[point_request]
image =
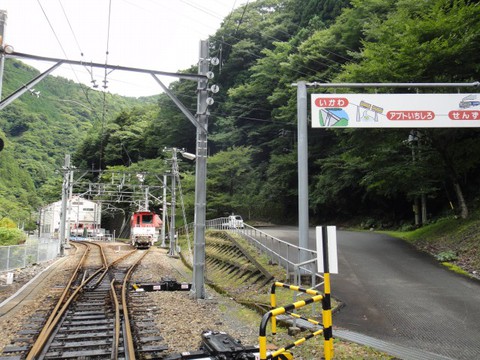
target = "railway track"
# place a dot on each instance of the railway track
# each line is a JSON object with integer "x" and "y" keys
{"x": 91, "y": 319}
{"x": 97, "y": 317}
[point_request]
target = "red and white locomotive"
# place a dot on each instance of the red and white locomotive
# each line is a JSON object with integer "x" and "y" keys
{"x": 144, "y": 228}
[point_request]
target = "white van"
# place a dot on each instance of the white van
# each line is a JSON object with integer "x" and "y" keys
{"x": 233, "y": 222}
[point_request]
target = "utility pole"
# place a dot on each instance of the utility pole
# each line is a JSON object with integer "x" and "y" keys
{"x": 173, "y": 243}
{"x": 3, "y": 24}
{"x": 164, "y": 209}
{"x": 201, "y": 175}
{"x": 63, "y": 212}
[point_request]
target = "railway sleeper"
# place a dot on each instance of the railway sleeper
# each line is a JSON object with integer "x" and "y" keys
{"x": 77, "y": 344}
{"x": 151, "y": 339}
{"x": 84, "y": 317}
{"x": 15, "y": 349}
{"x": 87, "y": 328}
{"x": 28, "y": 332}
{"x": 80, "y": 354}
{"x": 91, "y": 301}
{"x": 89, "y": 335}
{"x": 153, "y": 348}
{"x": 85, "y": 313}
{"x": 70, "y": 324}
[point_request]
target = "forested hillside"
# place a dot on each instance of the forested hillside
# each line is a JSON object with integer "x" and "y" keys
{"x": 367, "y": 175}
{"x": 361, "y": 175}
{"x": 38, "y": 131}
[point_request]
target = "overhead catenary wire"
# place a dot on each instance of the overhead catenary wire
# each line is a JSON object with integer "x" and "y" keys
{"x": 188, "y": 3}
{"x": 244, "y": 18}
{"x": 92, "y": 81}
{"x": 233, "y": 36}
{"x": 71, "y": 28}
{"x": 63, "y": 50}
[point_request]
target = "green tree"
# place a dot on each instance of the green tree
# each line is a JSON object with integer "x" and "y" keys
{"x": 229, "y": 176}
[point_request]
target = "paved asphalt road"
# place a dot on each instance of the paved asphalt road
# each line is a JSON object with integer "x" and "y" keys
{"x": 395, "y": 294}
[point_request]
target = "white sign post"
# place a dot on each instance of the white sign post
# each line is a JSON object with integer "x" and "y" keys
{"x": 396, "y": 110}
{"x": 329, "y": 248}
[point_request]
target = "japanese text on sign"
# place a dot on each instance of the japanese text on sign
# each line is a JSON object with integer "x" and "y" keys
{"x": 396, "y": 110}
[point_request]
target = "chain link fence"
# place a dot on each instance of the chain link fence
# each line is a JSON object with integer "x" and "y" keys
{"x": 33, "y": 251}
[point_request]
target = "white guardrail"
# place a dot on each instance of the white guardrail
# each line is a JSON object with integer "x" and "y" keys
{"x": 278, "y": 251}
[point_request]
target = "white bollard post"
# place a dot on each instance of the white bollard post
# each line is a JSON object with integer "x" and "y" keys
{"x": 10, "y": 278}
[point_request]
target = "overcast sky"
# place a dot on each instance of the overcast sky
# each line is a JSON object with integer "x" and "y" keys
{"x": 152, "y": 34}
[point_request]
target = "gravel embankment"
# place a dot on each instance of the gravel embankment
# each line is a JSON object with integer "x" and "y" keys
{"x": 181, "y": 318}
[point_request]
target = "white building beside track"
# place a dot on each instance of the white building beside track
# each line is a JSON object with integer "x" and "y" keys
{"x": 83, "y": 218}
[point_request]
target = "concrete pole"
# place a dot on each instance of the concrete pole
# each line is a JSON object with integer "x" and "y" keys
{"x": 302, "y": 148}
{"x": 63, "y": 212}
{"x": 173, "y": 244}
{"x": 3, "y": 24}
{"x": 147, "y": 207}
{"x": 198, "y": 288}
{"x": 164, "y": 209}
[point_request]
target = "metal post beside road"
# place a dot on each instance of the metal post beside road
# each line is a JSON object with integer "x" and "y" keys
{"x": 201, "y": 176}
{"x": 302, "y": 148}
{"x": 326, "y": 301}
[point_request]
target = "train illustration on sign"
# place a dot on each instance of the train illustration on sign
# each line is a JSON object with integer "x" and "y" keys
{"x": 469, "y": 101}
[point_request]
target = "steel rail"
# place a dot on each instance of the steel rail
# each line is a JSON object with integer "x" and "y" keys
{"x": 116, "y": 334}
{"x": 61, "y": 306}
{"x": 62, "y": 311}
{"x": 128, "y": 337}
{"x": 64, "y": 303}
{"x": 108, "y": 266}
{"x": 39, "y": 343}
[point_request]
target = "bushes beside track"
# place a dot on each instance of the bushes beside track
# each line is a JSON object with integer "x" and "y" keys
{"x": 10, "y": 236}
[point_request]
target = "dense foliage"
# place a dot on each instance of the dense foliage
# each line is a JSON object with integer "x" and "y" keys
{"x": 38, "y": 132}
{"x": 267, "y": 45}
{"x": 264, "y": 47}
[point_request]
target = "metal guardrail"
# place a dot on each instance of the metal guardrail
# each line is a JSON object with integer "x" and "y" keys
{"x": 32, "y": 252}
{"x": 278, "y": 251}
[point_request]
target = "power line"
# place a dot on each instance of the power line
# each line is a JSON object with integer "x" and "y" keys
{"x": 71, "y": 28}
{"x": 63, "y": 50}
{"x": 51, "y": 27}
{"x": 241, "y": 18}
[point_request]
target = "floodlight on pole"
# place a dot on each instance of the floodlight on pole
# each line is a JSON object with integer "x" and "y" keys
{"x": 187, "y": 155}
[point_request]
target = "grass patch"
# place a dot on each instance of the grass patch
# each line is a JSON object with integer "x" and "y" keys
{"x": 456, "y": 241}
{"x": 455, "y": 268}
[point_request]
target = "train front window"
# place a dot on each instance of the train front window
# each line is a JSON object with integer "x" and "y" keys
{"x": 147, "y": 219}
